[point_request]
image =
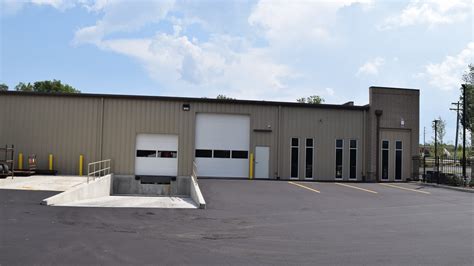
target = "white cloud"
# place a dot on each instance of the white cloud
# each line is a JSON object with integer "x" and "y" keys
{"x": 429, "y": 12}
{"x": 297, "y": 21}
{"x": 213, "y": 65}
{"x": 222, "y": 64}
{"x": 121, "y": 16}
{"x": 447, "y": 75}
{"x": 371, "y": 67}
{"x": 13, "y": 6}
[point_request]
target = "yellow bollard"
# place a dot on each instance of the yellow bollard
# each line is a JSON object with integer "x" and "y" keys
{"x": 50, "y": 162}
{"x": 20, "y": 161}
{"x": 81, "y": 164}
{"x": 251, "y": 167}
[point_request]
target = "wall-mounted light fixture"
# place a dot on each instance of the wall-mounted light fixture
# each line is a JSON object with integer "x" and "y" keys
{"x": 186, "y": 107}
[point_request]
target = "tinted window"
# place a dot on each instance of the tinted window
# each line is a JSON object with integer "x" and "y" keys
{"x": 338, "y": 163}
{"x": 203, "y": 153}
{"x": 309, "y": 163}
{"x": 385, "y": 164}
{"x": 240, "y": 154}
{"x": 385, "y": 144}
{"x": 398, "y": 165}
{"x": 398, "y": 145}
{"x": 294, "y": 162}
{"x": 309, "y": 142}
{"x": 339, "y": 143}
{"x": 146, "y": 153}
{"x": 353, "y": 144}
{"x": 294, "y": 142}
{"x": 353, "y": 164}
{"x": 167, "y": 154}
{"x": 221, "y": 154}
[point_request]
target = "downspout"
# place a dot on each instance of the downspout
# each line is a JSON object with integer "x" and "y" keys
{"x": 364, "y": 137}
{"x": 278, "y": 143}
{"x": 101, "y": 128}
{"x": 378, "y": 114}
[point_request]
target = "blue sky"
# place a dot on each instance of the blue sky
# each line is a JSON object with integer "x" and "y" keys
{"x": 270, "y": 50}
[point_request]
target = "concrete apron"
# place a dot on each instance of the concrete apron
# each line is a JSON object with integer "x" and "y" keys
{"x": 126, "y": 192}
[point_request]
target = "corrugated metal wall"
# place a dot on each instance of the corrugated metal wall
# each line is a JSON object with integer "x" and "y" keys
{"x": 68, "y": 126}
{"x": 397, "y": 105}
{"x": 65, "y": 127}
{"x": 125, "y": 118}
{"x": 325, "y": 126}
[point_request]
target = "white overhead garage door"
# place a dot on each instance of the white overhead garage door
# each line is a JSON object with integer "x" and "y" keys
{"x": 156, "y": 154}
{"x": 222, "y": 145}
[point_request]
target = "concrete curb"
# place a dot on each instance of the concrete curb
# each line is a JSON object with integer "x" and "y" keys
{"x": 468, "y": 190}
{"x": 99, "y": 187}
{"x": 196, "y": 194}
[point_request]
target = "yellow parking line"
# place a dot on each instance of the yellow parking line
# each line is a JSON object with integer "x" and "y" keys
{"x": 359, "y": 188}
{"x": 308, "y": 188}
{"x": 409, "y": 189}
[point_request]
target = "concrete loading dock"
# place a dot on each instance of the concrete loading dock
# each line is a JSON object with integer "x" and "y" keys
{"x": 270, "y": 140}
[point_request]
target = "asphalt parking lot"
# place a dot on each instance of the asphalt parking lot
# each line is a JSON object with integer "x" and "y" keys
{"x": 250, "y": 222}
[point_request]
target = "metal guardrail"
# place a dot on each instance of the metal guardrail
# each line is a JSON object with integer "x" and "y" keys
{"x": 98, "y": 169}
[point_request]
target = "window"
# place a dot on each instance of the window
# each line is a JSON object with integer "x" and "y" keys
{"x": 309, "y": 158}
{"x": 295, "y": 142}
{"x": 339, "y": 154}
{"x": 353, "y": 159}
{"x": 398, "y": 145}
{"x": 385, "y": 148}
{"x": 385, "y": 144}
{"x": 203, "y": 153}
{"x": 167, "y": 154}
{"x": 398, "y": 160}
{"x": 240, "y": 154}
{"x": 146, "y": 153}
{"x": 221, "y": 154}
{"x": 294, "y": 157}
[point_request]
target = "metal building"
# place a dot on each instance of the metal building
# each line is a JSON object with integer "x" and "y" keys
{"x": 147, "y": 135}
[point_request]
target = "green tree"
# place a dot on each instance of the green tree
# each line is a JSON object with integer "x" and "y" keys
{"x": 311, "y": 100}
{"x": 223, "y": 97}
{"x": 24, "y": 87}
{"x": 49, "y": 86}
{"x": 3, "y": 87}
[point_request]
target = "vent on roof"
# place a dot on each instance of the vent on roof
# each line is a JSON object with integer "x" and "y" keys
{"x": 351, "y": 103}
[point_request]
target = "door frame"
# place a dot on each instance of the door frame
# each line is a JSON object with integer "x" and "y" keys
{"x": 268, "y": 162}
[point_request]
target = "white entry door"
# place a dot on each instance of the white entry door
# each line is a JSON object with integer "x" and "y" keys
{"x": 156, "y": 154}
{"x": 262, "y": 157}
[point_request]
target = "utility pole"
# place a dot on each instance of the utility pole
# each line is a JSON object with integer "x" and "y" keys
{"x": 436, "y": 150}
{"x": 424, "y": 154}
{"x": 457, "y": 109}
{"x": 464, "y": 114}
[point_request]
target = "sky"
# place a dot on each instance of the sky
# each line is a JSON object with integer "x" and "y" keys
{"x": 263, "y": 50}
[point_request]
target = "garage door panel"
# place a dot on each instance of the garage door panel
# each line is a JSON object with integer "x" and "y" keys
{"x": 156, "y": 166}
{"x": 156, "y": 141}
{"x": 156, "y": 154}
{"x": 222, "y": 134}
{"x": 217, "y": 167}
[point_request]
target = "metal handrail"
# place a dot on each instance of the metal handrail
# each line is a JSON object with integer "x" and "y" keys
{"x": 99, "y": 168}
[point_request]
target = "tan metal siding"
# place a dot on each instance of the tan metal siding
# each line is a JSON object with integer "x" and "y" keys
{"x": 325, "y": 126}
{"x": 64, "y": 127}
{"x": 396, "y": 104}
